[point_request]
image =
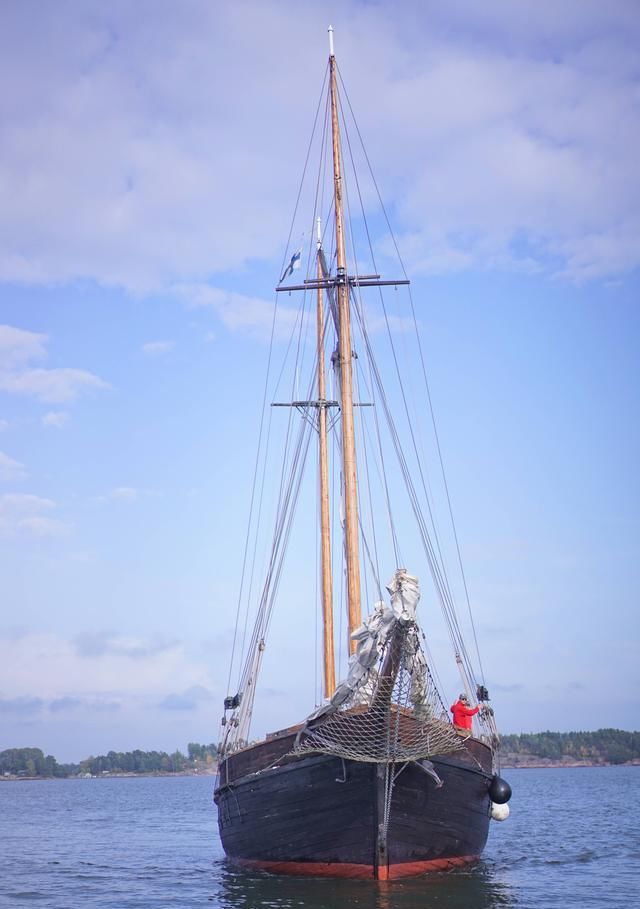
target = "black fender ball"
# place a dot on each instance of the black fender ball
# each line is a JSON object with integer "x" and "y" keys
{"x": 499, "y": 790}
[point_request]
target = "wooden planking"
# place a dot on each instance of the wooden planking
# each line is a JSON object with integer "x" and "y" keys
{"x": 257, "y": 757}
{"x": 298, "y": 813}
{"x": 429, "y": 823}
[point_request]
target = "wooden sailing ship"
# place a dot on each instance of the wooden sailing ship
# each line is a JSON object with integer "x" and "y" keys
{"x": 376, "y": 782}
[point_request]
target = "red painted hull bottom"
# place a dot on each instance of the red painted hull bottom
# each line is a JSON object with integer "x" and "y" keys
{"x": 363, "y": 872}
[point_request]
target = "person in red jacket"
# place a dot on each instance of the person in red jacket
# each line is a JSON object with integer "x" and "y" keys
{"x": 462, "y": 714}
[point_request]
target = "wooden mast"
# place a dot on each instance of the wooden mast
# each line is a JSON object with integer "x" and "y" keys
{"x": 327, "y": 583}
{"x": 346, "y": 383}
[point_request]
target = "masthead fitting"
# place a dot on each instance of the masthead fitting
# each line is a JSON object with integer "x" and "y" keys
{"x": 319, "y": 232}
{"x": 330, "y": 30}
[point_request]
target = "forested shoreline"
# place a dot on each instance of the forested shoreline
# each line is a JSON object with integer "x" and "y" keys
{"x": 605, "y": 746}
{"x": 32, "y": 763}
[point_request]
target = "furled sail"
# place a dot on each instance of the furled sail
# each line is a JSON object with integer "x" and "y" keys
{"x": 388, "y": 707}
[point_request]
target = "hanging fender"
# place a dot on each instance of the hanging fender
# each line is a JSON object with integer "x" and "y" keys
{"x": 499, "y": 812}
{"x": 499, "y": 790}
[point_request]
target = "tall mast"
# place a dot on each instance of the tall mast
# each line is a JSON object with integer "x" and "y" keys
{"x": 346, "y": 382}
{"x": 327, "y": 583}
{"x": 341, "y": 284}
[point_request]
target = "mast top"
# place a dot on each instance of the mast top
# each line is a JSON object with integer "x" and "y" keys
{"x": 330, "y": 30}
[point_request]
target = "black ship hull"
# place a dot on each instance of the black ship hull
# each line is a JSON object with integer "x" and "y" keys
{"x": 321, "y": 815}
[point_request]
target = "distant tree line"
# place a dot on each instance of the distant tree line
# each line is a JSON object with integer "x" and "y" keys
{"x": 606, "y": 746}
{"x": 31, "y": 762}
{"x": 134, "y": 762}
{"x": 206, "y": 753}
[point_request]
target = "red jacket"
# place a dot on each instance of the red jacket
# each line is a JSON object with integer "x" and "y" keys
{"x": 462, "y": 714}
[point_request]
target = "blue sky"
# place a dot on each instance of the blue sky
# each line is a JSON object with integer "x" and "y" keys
{"x": 149, "y": 163}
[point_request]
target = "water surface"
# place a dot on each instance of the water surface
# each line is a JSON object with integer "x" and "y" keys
{"x": 148, "y": 843}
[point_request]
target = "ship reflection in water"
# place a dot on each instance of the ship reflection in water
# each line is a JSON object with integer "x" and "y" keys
{"x": 476, "y": 887}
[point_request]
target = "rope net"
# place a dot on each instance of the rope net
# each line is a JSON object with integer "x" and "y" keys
{"x": 388, "y": 709}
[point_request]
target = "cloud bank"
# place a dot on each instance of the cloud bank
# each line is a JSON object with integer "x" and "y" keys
{"x": 510, "y": 137}
{"x": 97, "y": 667}
{"x": 24, "y": 514}
{"x": 18, "y": 375}
{"x": 10, "y": 469}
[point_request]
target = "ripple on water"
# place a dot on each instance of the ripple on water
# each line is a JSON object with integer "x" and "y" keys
{"x": 587, "y": 855}
{"x": 27, "y": 895}
{"x": 153, "y": 844}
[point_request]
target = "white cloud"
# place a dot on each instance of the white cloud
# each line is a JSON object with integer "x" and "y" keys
{"x": 124, "y": 494}
{"x": 27, "y": 501}
{"x": 43, "y": 526}
{"x": 55, "y": 418}
{"x": 251, "y": 315}
{"x": 11, "y": 469}
{"x": 98, "y": 644}
{"x": 54, "y": 386}
{"x": 119, "y": 692}
{"x": 18, "y": 348}
{"x": 48, "y": 666}
{"x": 505, "y": 126}
{"x": 513, "y": 156}
{"x": 157, "y": 347}
{"x": 4, "y": 424}
{"x": 29, "y": 515}
{"x": 187, "y": 700}
{"x": 255, "y": 316}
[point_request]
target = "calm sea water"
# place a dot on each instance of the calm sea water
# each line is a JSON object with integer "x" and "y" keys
{"x": 572, "y": 840}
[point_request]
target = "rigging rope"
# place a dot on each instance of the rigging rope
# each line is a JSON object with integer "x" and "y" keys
{"x": 297, "y": 445}
{"x": 261, "y": 427}
{"x": 426, "y": 382}
{"x": 437, "y": 563}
